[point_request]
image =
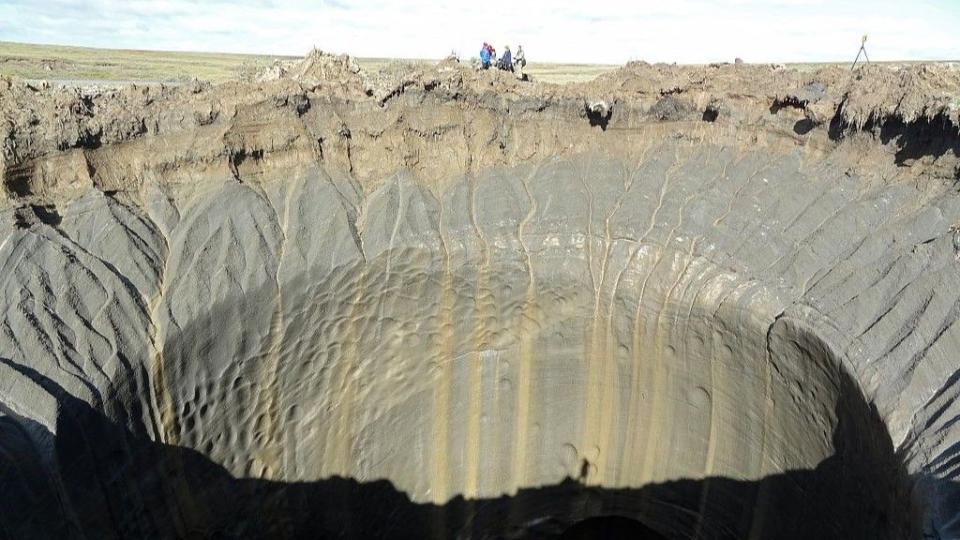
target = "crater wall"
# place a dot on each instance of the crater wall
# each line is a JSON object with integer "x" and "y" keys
{"x": 507, "y": 321}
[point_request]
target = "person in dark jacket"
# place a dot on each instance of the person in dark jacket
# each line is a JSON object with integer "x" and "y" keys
{"x": 506, "y": 61}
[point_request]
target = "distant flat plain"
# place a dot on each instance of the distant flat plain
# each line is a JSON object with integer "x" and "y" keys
{"x": 59, "y": 63}
{"x": 66, "y": 63}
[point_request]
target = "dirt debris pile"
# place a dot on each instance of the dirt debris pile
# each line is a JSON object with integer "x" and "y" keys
{"x": 41, "y": 121}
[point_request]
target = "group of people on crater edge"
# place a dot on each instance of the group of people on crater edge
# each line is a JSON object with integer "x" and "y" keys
{"x": 508, "y": 62}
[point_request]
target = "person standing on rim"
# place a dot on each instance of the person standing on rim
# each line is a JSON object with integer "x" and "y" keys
{"x": 506, "y": 61}
{"x": 519, "y": 62}
{"x": 485, "y": 56}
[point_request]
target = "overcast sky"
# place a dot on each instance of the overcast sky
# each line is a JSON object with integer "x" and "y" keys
{"x": 590, "y": 31}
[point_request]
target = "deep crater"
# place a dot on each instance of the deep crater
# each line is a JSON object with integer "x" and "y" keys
{"x": 523, "y": 354}
{"x": 494, "y": 407}
{"x": 450, "y": 314}
{"x": 474, "y": 404}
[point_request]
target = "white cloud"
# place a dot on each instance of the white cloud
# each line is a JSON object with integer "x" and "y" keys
{"x": 552, "y": 30}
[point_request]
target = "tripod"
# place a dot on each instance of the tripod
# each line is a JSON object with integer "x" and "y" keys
{"x": 863, "y": 51}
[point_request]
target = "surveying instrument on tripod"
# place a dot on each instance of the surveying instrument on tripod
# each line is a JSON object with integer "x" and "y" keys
{"x": 863, "y": 51}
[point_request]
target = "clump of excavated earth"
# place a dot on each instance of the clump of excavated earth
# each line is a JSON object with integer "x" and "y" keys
{"x": 680, "y": 302}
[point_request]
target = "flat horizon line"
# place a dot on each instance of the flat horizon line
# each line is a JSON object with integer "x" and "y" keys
{"x": 437, "y": 59}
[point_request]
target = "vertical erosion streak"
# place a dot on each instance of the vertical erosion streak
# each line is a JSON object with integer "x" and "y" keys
{"x": 710, "y": 459}
{"x": 337, "y": 453}
{"x": 595, "y": 356}
{"x": 527, "y": 328}
{"x": 633, "y": 430}
{"x": 681, "y": 325}
{"x": 600, "y": 356}
{"x": 337, "y": 458}
{"x": 613, "y": 438}
{"x": 761, "y": 504}
{"x": 160, "y": 401}
{"x": 633, "y": 390}
{"x": 183, "y": 510}
{"x": 440, "y": 466}
{"x": 634, "y": 417}
{"x": 481, "y": 309}
{"x": 270, "y": 451}
{"x": 610, "y": 438}
{"x": 666, "y": 355}
{"x": 663, "y": 355}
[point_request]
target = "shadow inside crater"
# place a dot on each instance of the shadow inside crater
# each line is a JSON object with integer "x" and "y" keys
{"x": 97, "y": 479}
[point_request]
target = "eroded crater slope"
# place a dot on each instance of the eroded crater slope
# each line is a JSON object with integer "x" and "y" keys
{"x": 454, "y": 305}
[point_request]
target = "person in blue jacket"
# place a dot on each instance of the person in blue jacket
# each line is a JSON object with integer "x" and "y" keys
{"x": 485, "y": 57}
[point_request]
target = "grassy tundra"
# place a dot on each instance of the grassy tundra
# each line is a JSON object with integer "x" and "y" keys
{"x": 55, "y": 62}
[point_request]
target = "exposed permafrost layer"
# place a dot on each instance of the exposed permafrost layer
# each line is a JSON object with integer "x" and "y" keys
{"x": 517, "y": 316}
